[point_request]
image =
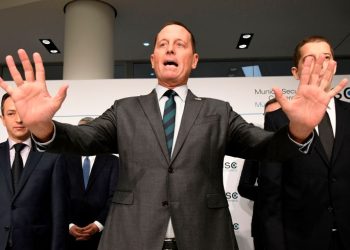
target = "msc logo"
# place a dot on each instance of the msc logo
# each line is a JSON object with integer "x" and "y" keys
{"x": 235, "y": 226}
{"x": 230, "y": 165}
{"x": 231, "y": 196}
{"x": 345, "y": 94}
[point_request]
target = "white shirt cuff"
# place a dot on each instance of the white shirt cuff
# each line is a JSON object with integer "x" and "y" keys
{"x": 305, "y": 147}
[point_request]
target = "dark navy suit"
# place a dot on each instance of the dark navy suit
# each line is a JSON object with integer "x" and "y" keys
{"x": 90, "y": 204}
{"x": 34, "y": 217}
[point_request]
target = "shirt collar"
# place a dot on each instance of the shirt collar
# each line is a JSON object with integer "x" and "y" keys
{"x": 181, "y": 91}
{"x": 331, "y": 106}
{"x": 27, "y": 142}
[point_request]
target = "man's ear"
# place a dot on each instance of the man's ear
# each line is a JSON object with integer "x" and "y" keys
{"x": 195, "y": 60}
{"x": 335, "y": 69}
{"x": 294, "y": 71}
{"x": 152, "y": 60}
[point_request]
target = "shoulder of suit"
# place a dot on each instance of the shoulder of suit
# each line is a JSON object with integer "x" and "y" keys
{"x": 342, "y": 103}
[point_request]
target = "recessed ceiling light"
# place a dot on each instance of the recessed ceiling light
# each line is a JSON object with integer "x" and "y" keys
{"x": 244, "y": 40}
{"x": 50, "y": 46}
{"x": 45, "y": 41}
{"x": 146, "y": 44}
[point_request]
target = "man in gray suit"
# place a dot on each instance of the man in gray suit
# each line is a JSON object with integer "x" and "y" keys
{"x": 170, "y": 193}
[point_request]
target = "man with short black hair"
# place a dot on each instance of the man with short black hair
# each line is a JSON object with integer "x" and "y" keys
{"x": 33, "y": 201}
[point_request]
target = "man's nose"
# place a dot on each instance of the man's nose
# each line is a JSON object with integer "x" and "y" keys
{"x": 170, "y": 49}
{"x": 18, "y": 119}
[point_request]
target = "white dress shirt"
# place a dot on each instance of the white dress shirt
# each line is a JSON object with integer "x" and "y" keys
{"x": 24, "y": 152}
{"x": 180, "y": 99}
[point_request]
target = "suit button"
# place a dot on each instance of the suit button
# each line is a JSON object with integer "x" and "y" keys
{"x": 13, "y": 207}
{"x": 170, "y": 170}
{"x": 7, "y": 228}
{"x": 165, "y": 203}
{"x": 334, "y": 179}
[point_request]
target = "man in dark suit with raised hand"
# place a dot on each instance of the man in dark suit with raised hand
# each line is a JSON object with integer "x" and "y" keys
{"x": 90, "y": 195}
{"x": 171, "y": 144}
{"x": 307, "y": 198}
{"x": 33, "y": 204}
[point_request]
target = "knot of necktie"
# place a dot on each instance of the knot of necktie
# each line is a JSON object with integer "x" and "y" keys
{"x": 170, "y": 93}
{"x": 18, "y": 147}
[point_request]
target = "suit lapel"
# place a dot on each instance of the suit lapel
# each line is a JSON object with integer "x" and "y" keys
{"x": 32, "y": 162}
{"x": 150, "y": 106}
{"x": 5, "y": 164}
{"x": 99, "y": 162}
{"x": 192, "y": 107}
{"x": 75, "y": 169}
{"x": 342, "y": 118}
{"x": 320, "y": 150}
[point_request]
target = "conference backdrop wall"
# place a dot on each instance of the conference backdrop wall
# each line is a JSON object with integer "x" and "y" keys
{"x": 247, "y": 96}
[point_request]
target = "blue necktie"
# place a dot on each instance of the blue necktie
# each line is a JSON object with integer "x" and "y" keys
{"x": 169, "y": 118}
{"x": 86, "y": 171}
{"x": 17, "y": 165}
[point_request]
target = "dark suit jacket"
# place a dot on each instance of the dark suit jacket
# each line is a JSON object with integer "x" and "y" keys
{"x": 248, "y": 189}
{"x": 92, "y": 203}
{"x": 34, "y": 218}
{"x": 188, "y": 187}
{"x": 307, "y": 195}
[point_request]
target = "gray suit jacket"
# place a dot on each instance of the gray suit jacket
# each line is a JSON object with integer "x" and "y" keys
{"x": 189, "y": 187}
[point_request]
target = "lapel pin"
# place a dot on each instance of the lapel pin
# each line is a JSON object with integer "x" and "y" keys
{"x": 198, "y": 98}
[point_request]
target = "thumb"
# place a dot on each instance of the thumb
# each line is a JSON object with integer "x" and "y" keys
{"x": 61, "y": 95}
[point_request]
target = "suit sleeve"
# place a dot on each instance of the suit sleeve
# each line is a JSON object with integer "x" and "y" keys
{"x": 271, "y": 192}
{"x": 249, "y": 176}
{"x": 244, "y": 140}
{"x": 59, "y": 206}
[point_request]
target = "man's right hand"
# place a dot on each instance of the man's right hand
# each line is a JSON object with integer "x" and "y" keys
{"x": 35, "y": 105}
{"x": 78, "y": 233}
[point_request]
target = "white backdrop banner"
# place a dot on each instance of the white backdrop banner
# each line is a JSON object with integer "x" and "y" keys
{"x": 246, "y": 95}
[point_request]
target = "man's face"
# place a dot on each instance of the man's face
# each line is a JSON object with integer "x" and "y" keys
{"x": 173, "y": 57}
{"x": 15, "y": 129}
{"x": 314, "y": 50}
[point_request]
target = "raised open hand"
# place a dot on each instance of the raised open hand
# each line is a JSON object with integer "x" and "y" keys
{"x": 34, "y": 104}
{"x": 308, "y": 106}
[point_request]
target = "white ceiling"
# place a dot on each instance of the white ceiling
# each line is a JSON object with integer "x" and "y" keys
{"x": 277, "y": 26}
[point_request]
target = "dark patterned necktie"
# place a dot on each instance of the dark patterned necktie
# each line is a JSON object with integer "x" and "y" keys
{"x": 86, "y": 170}
{"x": 169, "y": 118}
{"x": 326, "y": 135}
{"x": 17, "y": 165}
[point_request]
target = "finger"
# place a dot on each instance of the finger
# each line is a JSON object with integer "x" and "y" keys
{"x": 338, "y": 88}
{"x": 39, "y": 67}
{"x": 5, "y": 86}
{"x": 16, "y": 76}
{"x": 316, "y": 71}
{"x": 328, "y": 75}
{"x": 281, "y": 99}
{"x": 27, "y": 65}
{"x": 306, "y": 71}
{"x": 61, "y": 95}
